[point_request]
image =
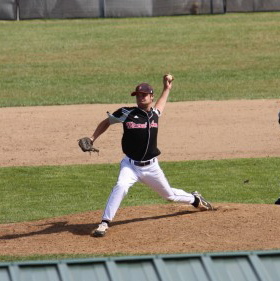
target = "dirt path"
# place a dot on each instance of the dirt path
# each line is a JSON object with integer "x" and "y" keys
{"x": 188, "y": 131}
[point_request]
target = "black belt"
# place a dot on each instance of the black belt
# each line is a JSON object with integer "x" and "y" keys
{"x": 142, "y": 163}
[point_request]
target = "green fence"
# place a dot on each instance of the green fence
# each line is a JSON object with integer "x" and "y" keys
{"x": 243, "y": 266}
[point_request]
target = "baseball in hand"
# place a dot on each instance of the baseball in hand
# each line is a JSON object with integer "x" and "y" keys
{"x": 169, "y": 77}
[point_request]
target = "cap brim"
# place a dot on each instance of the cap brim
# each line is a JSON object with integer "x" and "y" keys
{"x": 135, "y": 93}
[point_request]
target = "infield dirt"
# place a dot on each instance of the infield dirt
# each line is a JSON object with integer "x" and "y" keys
{"x": 188, "y": 131}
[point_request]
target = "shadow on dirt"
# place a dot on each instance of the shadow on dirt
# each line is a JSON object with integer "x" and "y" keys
{"x": 83, "y": 229}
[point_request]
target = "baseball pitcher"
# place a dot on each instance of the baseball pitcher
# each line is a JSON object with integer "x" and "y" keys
{"x": 139, "y": 144}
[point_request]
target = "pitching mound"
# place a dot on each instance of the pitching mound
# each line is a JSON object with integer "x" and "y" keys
{"x": 152, "y": 229}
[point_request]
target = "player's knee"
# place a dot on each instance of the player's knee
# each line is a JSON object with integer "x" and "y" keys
{"x": 121, "y": 187}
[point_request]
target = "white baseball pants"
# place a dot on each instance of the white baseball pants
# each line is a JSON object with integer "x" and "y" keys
{"x": 151, "y": 175}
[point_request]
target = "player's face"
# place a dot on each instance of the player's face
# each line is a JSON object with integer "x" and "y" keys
{"x": 144, "y": 100}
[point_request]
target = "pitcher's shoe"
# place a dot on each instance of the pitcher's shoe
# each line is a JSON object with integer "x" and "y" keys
{"x": 201, "y": 203}
{"x": 101, "y": 230}
{"x": 277, "y": 202}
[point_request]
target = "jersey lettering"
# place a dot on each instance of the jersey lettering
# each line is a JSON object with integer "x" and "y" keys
{"x": 153, "y": 124}
{"x": 132, "y": 125}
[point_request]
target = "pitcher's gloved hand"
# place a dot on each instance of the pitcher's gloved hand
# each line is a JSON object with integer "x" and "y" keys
{"x": 86, "y": 145}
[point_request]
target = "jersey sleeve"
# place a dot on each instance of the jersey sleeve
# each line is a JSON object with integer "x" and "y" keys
{"x": 114, "y": 117}
{"x": 157, "y": 112}
{"x": 119, "y": 116}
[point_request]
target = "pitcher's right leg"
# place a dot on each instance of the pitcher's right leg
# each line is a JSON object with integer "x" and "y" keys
{"x": 127, "y": 177}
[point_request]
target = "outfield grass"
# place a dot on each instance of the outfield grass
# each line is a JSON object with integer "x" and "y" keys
{"x": 231, "y": 56}
{"x": 31, "y": 193}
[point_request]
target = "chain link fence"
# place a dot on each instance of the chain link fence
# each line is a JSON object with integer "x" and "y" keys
{"x": 61, "y": 9}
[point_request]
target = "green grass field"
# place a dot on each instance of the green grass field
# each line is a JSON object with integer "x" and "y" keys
{"x": 30, "y": 193}
{"x": 232, "y": 56}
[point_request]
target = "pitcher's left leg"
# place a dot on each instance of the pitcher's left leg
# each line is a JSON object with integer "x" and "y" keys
{"x": 154, "y": 177}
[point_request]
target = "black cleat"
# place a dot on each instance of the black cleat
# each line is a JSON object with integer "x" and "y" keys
{"x": 203, "y": 205}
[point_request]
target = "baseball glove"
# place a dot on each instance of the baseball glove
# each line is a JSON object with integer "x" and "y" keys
{"x": 86, "y": 145}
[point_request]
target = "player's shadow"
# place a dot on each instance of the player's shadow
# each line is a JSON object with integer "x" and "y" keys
{"x": 83, "y": 229}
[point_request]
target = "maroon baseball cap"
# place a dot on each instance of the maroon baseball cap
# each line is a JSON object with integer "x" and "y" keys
{"x": 144, "y": 88}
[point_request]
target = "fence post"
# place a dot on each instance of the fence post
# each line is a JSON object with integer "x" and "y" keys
{"x": 211, "y": 7}
{"x": 17, "y": 9}
{"x": 102, "y": 8}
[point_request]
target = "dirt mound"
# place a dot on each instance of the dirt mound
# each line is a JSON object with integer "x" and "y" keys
{"x": 151, "y": 229}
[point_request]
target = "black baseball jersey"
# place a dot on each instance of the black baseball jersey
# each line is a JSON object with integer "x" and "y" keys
{"x": 140, "y": 130}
